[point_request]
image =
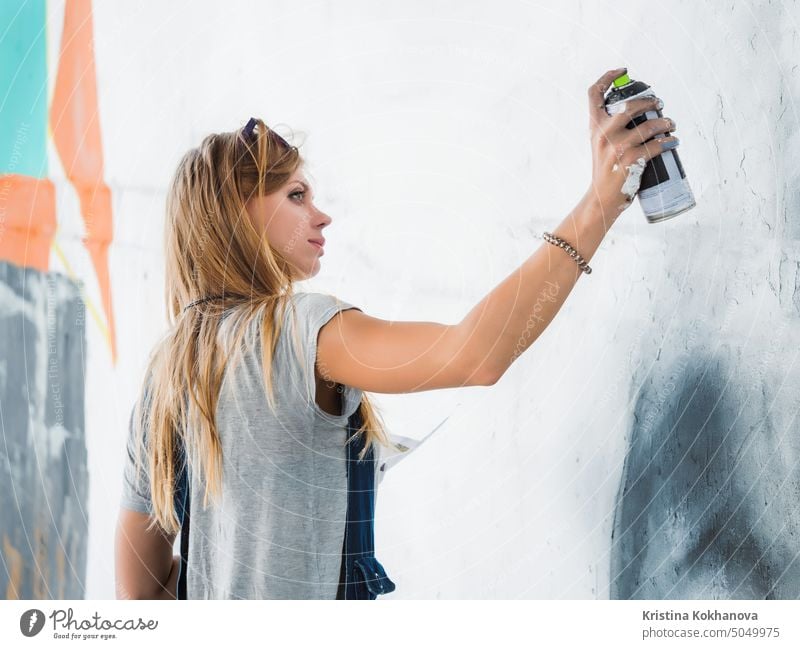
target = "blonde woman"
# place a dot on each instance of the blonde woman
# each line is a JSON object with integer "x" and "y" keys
{"x": 259, "y": 385}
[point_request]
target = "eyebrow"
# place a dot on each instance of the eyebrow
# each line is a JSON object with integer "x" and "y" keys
{"x": 305, "y": 185}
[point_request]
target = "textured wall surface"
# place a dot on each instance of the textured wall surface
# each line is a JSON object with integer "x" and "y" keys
{"x": 44, "y": 482}
{"x": 646, "y": 445}
{"x": 709, "y": 500}
{"x": 708, "y": 507}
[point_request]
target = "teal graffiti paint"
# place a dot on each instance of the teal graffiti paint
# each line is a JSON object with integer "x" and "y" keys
{"x": 23, "y": 87}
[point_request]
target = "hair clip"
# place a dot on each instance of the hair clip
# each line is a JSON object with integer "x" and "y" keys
{"x": 280, "y": 139}
{"x": 248, "y": 130}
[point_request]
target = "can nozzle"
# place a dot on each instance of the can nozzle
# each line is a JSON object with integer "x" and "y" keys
{"x": 621, "y": 81}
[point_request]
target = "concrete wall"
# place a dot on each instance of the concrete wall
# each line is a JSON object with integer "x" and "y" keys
{"x": 44, "y": 480}
{"x": 646, "y": 446}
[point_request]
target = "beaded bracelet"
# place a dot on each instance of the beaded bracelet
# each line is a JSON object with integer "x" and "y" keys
{"x": 558, "y": 241}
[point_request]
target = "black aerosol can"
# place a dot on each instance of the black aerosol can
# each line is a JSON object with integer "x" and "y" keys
{"x": 664, "y": 191}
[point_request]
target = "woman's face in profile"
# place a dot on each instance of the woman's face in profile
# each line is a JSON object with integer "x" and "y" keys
{"x": 292, "y": 223}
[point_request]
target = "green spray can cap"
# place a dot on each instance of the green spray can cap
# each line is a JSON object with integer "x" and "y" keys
{"x": 621, "y": 81}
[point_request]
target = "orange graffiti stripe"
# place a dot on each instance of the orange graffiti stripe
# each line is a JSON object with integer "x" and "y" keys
{"x": 75, "y": 127}
{"x": 27, "y": 220}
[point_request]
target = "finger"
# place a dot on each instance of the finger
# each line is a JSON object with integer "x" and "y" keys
{"x": 653, "y": 148}
{"x": 641, "y": 131}
{"x": 629, "y": 110}
{"x": 597, "y": 109}
{"x": 644, "y": 131}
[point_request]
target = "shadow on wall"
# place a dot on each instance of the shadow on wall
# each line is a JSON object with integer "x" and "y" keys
{"x": 708, "y": 503}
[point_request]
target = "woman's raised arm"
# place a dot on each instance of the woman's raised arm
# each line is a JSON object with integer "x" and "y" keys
{"x": 385, "y": 356}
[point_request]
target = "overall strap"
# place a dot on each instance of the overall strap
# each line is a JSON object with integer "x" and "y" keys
{"x": 363, "y": 576}
{"x": 182, "y": 509}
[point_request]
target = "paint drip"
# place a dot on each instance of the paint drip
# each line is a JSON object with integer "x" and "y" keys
{"x": 661, "y": 182}
{"x": 634, "y": 179}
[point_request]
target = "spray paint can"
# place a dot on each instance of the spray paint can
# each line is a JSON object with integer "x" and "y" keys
{"x": 664, "y": 191}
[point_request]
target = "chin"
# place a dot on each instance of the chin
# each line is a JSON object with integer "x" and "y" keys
{"x": 308, "y": 274}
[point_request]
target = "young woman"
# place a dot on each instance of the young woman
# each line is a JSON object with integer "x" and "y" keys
{"x": 258, "y": 383}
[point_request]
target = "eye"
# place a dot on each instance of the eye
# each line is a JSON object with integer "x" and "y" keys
{"x": 300, "y": 193}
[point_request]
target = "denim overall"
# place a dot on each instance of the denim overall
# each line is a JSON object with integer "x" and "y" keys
{"x": 362, "y": 576}
{"x": 182, "y": 502}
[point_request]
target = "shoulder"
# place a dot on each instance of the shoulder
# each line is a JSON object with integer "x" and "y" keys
{"x": 316, "y": 308}
{"x": 317, "y": 299}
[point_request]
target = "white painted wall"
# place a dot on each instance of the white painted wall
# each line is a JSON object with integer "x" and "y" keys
{"x": 447, "y": 134}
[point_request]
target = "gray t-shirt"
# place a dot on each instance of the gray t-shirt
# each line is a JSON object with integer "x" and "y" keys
{"x": 279, "y": 529}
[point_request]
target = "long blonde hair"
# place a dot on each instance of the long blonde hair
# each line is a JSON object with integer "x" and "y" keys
{"x": 213, "y": 249}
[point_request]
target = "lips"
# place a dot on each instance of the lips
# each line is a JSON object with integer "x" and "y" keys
{"x": 319, "y": 243}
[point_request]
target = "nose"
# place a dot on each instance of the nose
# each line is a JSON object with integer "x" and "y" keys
{"x": 323, "y": 219}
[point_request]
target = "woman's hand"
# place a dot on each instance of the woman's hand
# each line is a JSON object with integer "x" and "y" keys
{"x": 618, "y": 153}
